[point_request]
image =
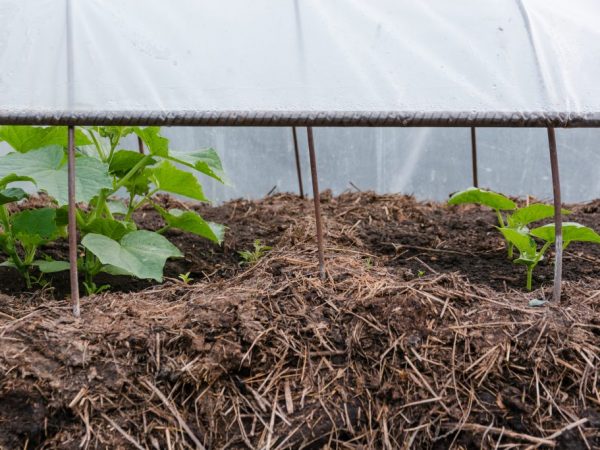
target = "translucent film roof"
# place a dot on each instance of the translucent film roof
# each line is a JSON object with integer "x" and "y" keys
{"x": 285, "y": 62}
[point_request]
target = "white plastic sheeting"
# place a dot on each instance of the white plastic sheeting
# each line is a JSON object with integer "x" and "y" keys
{"x": 428, "y": 162}
{"x": 525, "y": 62}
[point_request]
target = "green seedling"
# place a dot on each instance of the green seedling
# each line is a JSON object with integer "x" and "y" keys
{"x": 252, "y": 257}
{"x": 529, "y": 256}
{"x": 25, "y": 231}
{"x": 92, "y": 288}
{"x": 185, "y": 277}
{"x": 111, "y": 241}
{"x": 502, "y": 205}
{"x": 514, "y": 227}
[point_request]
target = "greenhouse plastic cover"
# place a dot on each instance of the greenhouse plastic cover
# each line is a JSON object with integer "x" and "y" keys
{"x": 299, "y": 62}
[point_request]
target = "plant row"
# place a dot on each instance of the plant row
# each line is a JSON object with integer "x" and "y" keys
{"x": 110, "y": 239}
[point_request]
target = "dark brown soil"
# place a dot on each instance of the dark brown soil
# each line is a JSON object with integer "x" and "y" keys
{"x": 423, "y": 238}
{"x": 419, "y": 337}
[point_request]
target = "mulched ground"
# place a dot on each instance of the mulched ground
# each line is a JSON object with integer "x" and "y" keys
{"x": 419, "y": 337}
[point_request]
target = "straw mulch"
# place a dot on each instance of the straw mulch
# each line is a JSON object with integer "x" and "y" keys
{"x": 370, "y": 357}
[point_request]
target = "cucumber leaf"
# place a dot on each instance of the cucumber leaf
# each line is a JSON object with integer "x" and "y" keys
{"x": 571, "y": 231}
{"x": 532, "y": 213}
{"x": 10, "y": 195}
{"x": 193, "y": 223}
{"x": 114, "y": 229}
{"x": 26, "y": 138}
{"x": 139, "y": 253}
{"x": 482, "y": 197}
{"x": 157, "y": 145}
{"x": 522, "y": 241}
{"x": 169, "y": 178}
{"x": 11, "y": 178}
{"x": 206, "y": 161}
{"x": 51, "y": 266}
{"x": 124, "y": 160}
{"x": 117, "y": 207}
{"x": 34, "y": 226}
{"x": 48, "y": 167}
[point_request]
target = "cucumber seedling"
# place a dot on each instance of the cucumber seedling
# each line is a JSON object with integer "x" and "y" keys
{"x": 514, "y": 226}
{"x": 508, "y": 214}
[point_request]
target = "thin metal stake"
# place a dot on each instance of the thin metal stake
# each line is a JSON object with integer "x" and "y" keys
{"x": 558, "y": 243}
{"x": 140, "y": 145}
{"x": 315, "y": 186}
{"x": 72, "y": 227}
{"x": 474, "y": 156}
{"x": 298, "y": 168}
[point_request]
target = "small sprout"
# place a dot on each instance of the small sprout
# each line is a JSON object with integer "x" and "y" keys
{"x": 252, "y": 257}
{"x": 420, "y": 273}
{"x": 92, "y": 288}
{"x": 185, "y": 277}
{"x": 368, "y": 263}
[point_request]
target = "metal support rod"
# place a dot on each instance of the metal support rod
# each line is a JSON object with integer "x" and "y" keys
{"x": 298, "y": 168}
{"x": 315, "y": 186}
{"x": 140, "y": 145}
{"x": 558, "y": 243}
{"x": 474, "y": 156}
{"x": 72, "y": 227}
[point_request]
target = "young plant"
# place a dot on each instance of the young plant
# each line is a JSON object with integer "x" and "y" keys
{"x": 252, "y": 257}
{"x": 515, "y": 228}
{"x": 529, "y": 256}
{"x": 23, "y": 232}
{"x": 518, "y": 220}
{"x": 185, "y": 278}
{"x": 110, "y": 239}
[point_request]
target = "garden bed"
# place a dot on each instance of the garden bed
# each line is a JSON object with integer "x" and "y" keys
{"x": 420, "y": 335}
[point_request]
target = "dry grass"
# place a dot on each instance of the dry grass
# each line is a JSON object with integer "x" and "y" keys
{"x": 277, "y": 358}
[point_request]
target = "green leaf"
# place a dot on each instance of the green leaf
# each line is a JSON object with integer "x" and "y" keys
{"x": 532, "y": 213}
{"x": 34, "y": 226}
{"x": 191, "y": 222}
{"x": 571, "y": 231}
{"x": 11, "y": 178}
{"x": 111, "y": 228}
{"x": 124, "y": 160}
{"x": 117, "y": 207}
{"x": 169, "y": 178}
{"x": 206, "y": 161}
{"x": 482, "y": 197}
{"x": 4, "y": 242}
{"x": 48, "y": 167}
{"x": 26, "y": 138}
{"x": 520, "y": 239}
{"x": 157, "y": 145}
{"x": 140, "y": 253}
{"x": 10, "y": 195}
{"x": 9, "y": 263}
{"x": 51, "y": 266}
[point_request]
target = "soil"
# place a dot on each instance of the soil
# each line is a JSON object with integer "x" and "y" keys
{"x": 420, "y": 336}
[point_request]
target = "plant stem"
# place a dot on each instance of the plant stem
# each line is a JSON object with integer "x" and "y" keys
{"x": 146, "y": 198}
{"x": 163, "y": 229}
{"x": 529, "y": 277}
{"x": 500, "y": 219}
{"x": 10, "y": 246}
{"x": 97, "y": 145}
{"x": 510, "y": 250}
{"x": 141, "y": 163}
